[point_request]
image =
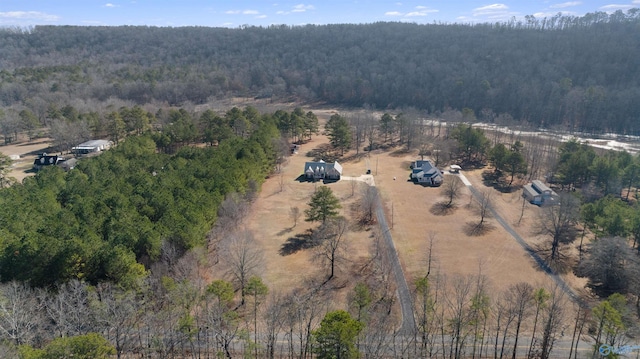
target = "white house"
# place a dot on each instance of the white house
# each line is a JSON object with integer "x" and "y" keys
{"x": 423, "y": 171}
{"x": 322, "y": 170}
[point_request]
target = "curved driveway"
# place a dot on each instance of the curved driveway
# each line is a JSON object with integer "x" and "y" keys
{"x": 539, "y": 261}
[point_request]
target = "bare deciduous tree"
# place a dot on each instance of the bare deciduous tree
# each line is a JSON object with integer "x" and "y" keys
{"x": 457, "y": 299}
{"x": 68, "y": 309}
{"x": 274, "y": 319}
{"x": 553, "y": 316}
{"x": 303, "y": 312}
{"x": 452, "y": 189}
{"x": 521, "y": 294}
{"x": 368, "y": 204}
{"x": 332, "y": 245}
{"x": 19, "y": 313}
{"x": 611, "y": 266}
{"x": 243, "y": 258}
{"x": 484, "y": 207}
{"x": 231, "y": 214}
{"x": 294, "y": 214}
{"x": 558, "y": 224}
{"x": 116, "y": 313}
{"x": 281, "y": 182}
{"x": 504, "y": 314}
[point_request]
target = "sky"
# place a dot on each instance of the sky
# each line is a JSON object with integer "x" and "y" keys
{"x": 236, "y": 13}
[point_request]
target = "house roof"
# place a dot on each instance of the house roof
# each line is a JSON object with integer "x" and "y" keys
{"x": 530, "y": 191}
{"x": 321, "y": 166}
{"x": 425, "y": 165}
{"x": 46, "y": 160}
{"x": 92, "y": 144}
{"x": 337, "y": 167}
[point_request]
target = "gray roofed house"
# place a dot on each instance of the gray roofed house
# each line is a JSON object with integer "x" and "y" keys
{"x": 423, "y": 171}
{"x": 46, "y": 160}
{"x": 322, "y": 170}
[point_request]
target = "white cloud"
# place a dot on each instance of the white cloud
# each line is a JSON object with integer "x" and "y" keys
{"x": 297, "y": 8}
{"x": 615, "y": 7}
{"x": 110, "y": 5}
{"x": 542, "y": 15}
{"x": 243, "y": 12}
{"x": 565, "y": 4}
{"x": 492, "y": 7}
{"x": 494, "y": 12}
{"x": 302, "y": 8}
{"x": 261, "y": 17}
{"x": 636, "y": 2}
{"x": 419, "y": 11}
{"x": 28, "y": 15}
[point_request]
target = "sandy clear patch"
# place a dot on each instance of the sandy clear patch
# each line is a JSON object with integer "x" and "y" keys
{"x": 28, "y": 152}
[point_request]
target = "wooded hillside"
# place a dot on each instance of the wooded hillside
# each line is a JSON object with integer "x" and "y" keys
{"x": 570, "y": 72}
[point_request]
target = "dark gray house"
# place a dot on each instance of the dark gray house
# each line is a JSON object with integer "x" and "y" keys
{"x": 322, "y": 170}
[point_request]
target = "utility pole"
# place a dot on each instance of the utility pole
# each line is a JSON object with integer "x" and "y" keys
{"x": 392, "y": 215}
{"x": 376, "y": 165}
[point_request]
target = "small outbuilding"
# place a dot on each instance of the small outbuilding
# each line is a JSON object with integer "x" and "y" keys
{"x": 539, "y": 193}
{"x": 93, "y": 146}
{"x": 322, "y": 170}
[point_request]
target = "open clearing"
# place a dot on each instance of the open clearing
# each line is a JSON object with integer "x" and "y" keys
{"x": 28, "y": 152}
{"x": 407, "y": 205}
{"x": 408, "y": 208}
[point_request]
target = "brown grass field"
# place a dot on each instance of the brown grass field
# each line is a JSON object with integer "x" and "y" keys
{"x": 408, "y": 206}
{"x": 495, "y": 254}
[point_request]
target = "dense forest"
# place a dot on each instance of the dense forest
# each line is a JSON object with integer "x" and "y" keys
{"x": 565, "y": 72}
{"x": 110, "y": 217}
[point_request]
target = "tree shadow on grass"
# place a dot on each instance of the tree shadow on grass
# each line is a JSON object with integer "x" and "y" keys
{"x": 497, "y": 181}
{"x": 296, "y": 243}
{"x": 473, "y": 229}
{"x": 399, "y": 152}
{"x": 285, "y": 231}
{"x": 442, "y": 209}
{"x": 561, "y": 264}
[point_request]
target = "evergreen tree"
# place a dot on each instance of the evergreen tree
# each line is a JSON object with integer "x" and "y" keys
{"x": 339, "y": 132}
{"x": 335, "y": 339}
{"x": 323, "y": 205}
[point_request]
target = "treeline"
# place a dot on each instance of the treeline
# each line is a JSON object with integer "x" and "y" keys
{"x": 171, "y": 316}
{"x": 564, "y": 71}
{"x": 109, "y": 217}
